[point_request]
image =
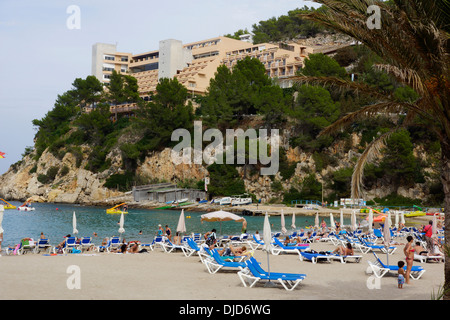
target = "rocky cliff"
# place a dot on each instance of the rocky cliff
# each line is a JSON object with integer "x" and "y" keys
{"x": 72, "y": 183}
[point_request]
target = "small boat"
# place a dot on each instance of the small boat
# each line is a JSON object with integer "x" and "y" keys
{"x": 117, "y": 209}
{"x": 26, "y": 207}
{"x": 203, "y": 201}
{"x": 181, "y": 201}
{"x": 225, "y": 201}
{"x": 6, "y": 204}
{"x": 415, "y": 214}
{"x": 241, "y": 201}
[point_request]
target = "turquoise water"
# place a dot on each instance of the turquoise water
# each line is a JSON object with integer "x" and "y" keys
{"x": 55, "y": 221}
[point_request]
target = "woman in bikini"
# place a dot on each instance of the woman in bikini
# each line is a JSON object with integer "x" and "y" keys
{"x": 408, "y": 250}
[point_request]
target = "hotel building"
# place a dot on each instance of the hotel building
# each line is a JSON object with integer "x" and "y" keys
{"x": 194, "y": 64}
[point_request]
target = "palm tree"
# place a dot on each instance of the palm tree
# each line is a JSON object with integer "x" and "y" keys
{"x": 413, "y": 42}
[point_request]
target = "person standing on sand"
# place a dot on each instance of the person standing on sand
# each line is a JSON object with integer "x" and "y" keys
{"x": 401, "y": 274}
{"x": 408, "y": 250}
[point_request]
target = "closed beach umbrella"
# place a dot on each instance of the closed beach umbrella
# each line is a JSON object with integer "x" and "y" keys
{"x": 74, "y": 223}
{"x": 283, "y": 226}
{"x": 353, "y": 224}
{"x": 181, "y": 227}
{"x": 293, "y": 221}
{"x": 316, "y": 221}
{"x": 389, "y": 218}
{"x": 370, "y": 220}
{"x": 121, "y": 221}
{"x": 402, "y": 218}
{"x": 267, "y": 237}
{"x": 2, "y": 208}
{"x": 332, "y": 224}
{"x": 396, "y": 218}
{"x": 342, "y": 219}
{"x": 387, "y": 237}
{"x": 267, "y": 234}
{"x": 434, "y": 229}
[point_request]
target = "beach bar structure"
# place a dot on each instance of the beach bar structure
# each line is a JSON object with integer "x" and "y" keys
{"x": 165, "y": 192}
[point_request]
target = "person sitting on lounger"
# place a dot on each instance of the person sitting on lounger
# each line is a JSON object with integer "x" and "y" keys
{"x": 345, "y": 251}
{"x": 234, "y": 251}
{"x": 133, "y": 247}
{"x": 420, "y": 250}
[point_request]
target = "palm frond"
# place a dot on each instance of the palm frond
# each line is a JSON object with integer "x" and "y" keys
{"x": 405, "y": 76}
{"x": 340, "y": 84}
{"x": 372, "y": 151}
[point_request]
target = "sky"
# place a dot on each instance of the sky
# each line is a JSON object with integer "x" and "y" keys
{"x": 43, "y": 49}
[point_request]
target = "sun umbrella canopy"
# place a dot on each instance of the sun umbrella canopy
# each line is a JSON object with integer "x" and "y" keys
{"x": 293, "y": 221}
{"x": 283, "y": 227}
{"x": 316, "y": 221}
{"x": 74, "y": 223}
{"x": 121, "y": 222}
{"x": 267, "y": 234}
{"x": 353, "y": 224}
{"x": 221, "y": 216}
{"x": 181, "y": 227}
{"x": 332, "y": 224}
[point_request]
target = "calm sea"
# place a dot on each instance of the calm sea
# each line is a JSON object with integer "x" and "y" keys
{"x": 55, "y": 221}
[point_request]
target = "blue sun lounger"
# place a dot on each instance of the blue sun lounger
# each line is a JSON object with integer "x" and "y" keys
{"x": 253, "y": 273}
{"x": 314, "y": 257}
{"x": 280, "y": 247}
{"x": 379, "y": 269}
{"x": 216, "y": 263}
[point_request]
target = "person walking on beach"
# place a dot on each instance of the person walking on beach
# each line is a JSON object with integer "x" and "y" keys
{"x": 408, "y": 250}
{"x": 428, "y": 230}
{"x": 168, "y": 233}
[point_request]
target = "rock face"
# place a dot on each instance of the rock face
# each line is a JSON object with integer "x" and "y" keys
{"x": 74, "y": 184}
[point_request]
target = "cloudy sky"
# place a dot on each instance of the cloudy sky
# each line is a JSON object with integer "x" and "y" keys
{"x": 40, "y": 56}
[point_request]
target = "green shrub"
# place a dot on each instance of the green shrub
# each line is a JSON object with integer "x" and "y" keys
{"x": 122, "y": 182}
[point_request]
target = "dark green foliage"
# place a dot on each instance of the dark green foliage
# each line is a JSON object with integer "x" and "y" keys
{"x": 320, "y": 65}
{"x": 168, "y": 111}
{"x": 315, "y": 110}
{"x": 121, "y": 182}
{"x": 285, "y": 27}
{"x": 224, "y": 180}
{"x": 246, "y": 90}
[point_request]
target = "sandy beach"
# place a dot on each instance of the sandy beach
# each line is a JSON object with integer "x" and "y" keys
{"x": 160, "y": 276}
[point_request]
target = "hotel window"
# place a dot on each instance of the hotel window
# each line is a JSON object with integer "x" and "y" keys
{"x": 124, "y": 59}
{"x": 106, "y": 57}
{"x": 106, "y": 76}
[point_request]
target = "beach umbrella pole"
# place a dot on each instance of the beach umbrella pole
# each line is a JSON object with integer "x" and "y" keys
{"x": 269, "y": 284}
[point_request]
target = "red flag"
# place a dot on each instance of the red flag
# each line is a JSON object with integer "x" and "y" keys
{"x": 2, "y": 155}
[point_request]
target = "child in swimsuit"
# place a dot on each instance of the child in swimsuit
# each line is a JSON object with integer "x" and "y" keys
{"x": 401, "y": 274}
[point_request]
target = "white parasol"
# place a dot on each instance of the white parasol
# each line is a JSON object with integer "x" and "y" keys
{"x": 353, "y": 225}
{"x": 342, "y": 219}
{"x": 121, "y": 221}
{"x": 283, "y": 226}
{"x": 293, "y": 221}
{"x": 267, "y": 237}
{"x": 316, "y": 221}
{"x": 332, "y": 224}
{"x": 221, "y": 216}
{"x": 74, "y": 223}
{"x": 181, "y": 227}
{"x": 370, "y": 220}
{"x": 387, "y": 237}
